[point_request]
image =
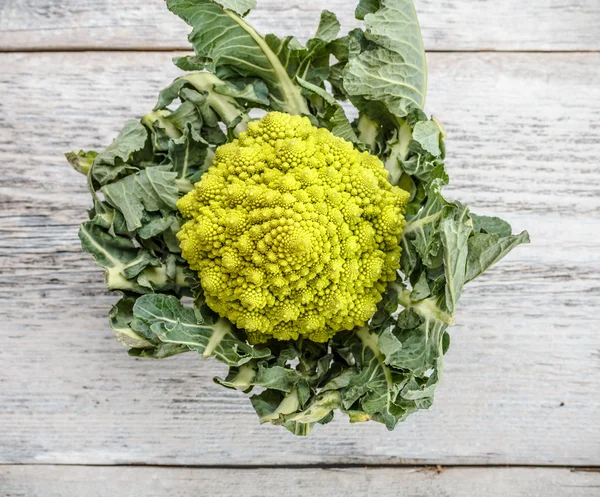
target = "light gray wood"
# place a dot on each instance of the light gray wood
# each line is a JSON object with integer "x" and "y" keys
{"x": 73, "y": 481}
{"x": 448, "y": 25}
{"x": 522, "y": 383}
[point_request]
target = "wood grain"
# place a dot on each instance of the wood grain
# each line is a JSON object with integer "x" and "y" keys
{"x": 449, "y": 25}
{"x": 61, "y": 481}
{"x": 522, "y": 383}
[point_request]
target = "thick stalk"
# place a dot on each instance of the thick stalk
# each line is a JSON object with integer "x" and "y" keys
{"x": 398, "y": 151}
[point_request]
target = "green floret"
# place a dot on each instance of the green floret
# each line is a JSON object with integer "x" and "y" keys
{"x": 292, "y": 231}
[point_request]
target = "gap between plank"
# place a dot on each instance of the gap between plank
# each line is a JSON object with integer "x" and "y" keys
{"x": 432, "y": 467}
{"x": 190, "y": 49}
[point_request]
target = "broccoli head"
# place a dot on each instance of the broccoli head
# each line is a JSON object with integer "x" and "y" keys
{"x": 293, "y": 231}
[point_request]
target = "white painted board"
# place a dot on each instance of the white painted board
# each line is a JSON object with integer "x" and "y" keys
{"x": 449, "y": 25}
{"x": 79, "y": 481}
{"x": 522, "y": 383}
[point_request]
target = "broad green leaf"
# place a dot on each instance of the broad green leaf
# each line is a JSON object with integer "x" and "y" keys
{"x": 255, "y": 92}
{"x": 186, "y": 116}
{"x": 270, "y": 405}
{"x": 232, "y": 47}
{"x": 340, "y": 381}
{"x": 454, "y": 235}
{"x": 120, "y": 156}
{"x": 152, "y": 189}
{"x": 394, "y": 72}
{"x": 310, "y": 63}
{"x": 107, "y": 217}
{"x": 485, "y": 250}
{"x": 422, "y": 168}
{"x": 416, "y": 349}
{"x": 427, "y": 134}
{"x": 421, "y": 236}
{"x": 123, "y": 323}
{"x": 130, "y": 267}
{"x": 276, "y": 377}
{"x": 344, "y": 49}
{"x": 120, "y": 257}
{"x": 160, "y": 351}
{"x": 154, "y": 224}
{"x": 329, "y": 27}
{"x": 170, "y": 93}
{"x": 491, "y": 225}
{"x": 171, "y": 322}
{"x": 421, "y": 289}
{"x": 365, "y": 7}
{"x": 241, "y": 7}
{"x": 169, "y": 236}
{"x": 302, "y": 422}
{"x": 188, "y": 158}
{"x": 191, "y": 62}
{"x": 121, "y": 316}
{"x": 375, "y": 386}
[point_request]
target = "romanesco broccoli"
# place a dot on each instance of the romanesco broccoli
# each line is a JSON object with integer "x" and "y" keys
{"x": 293, "y": 231}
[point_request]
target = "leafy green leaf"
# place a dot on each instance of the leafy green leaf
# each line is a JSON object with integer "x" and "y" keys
{"x": 376, "y": 386}
{"x": 120, "y": 257}
{"x": 421, "y": 289}
{"x": 485, "y": 250}
{"x": 491, "y": 225}
{"x": 301, "y": 423}
{"x": 421, "y": 236}
{"x": 241, "y": 7}
{"x": 191, "y": 62}
{"x": 365, "y": 7}
{"x": 172, "y": 323}
{"x": 329, "y": 27}
{"x": 416, "y": 349}
{"x": 270, "y": 404}
{"x": 152, "y": 189}
{"x": 254, "y": 92}
{"x": 121, "y": 156}
{"x": 393, "y": 70}
{"x": 276, "y": 377}
{"x": 121, "y": 316}
{"x": 232, "y": 48}
{"x": 155, "y": 224}
{"x": 187, "y": 156}
{"x": 454, "y": 235}
{"x": 427, "y": 134}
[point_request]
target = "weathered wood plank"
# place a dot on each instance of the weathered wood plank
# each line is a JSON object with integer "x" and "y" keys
{"x": 522, "y": 383}
{"x": 73, "y": 481}
{"x": 449, "y": 25}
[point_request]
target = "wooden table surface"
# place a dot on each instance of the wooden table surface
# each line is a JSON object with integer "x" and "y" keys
{"x": 517, "y": 85}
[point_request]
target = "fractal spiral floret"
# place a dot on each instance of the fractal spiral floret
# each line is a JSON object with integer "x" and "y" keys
{"x": 293, "y": 232}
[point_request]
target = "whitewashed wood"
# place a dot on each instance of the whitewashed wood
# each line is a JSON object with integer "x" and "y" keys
{"x": 522, "y": 383}
{"x": 73, "y": 481}
{"x": 448, "y": 25}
